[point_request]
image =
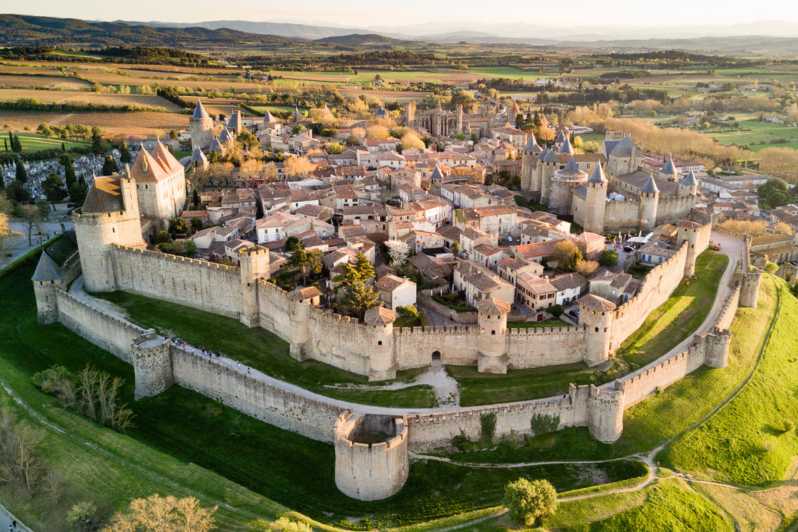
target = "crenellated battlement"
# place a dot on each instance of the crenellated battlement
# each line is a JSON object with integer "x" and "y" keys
{"x": 174, "y": 258}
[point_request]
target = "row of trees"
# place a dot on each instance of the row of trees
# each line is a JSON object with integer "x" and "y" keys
{"x": 92, "y": 393}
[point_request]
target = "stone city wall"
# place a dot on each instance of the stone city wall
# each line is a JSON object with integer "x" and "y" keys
{"x": 621, "y": 215}
{"x": 194, "y": 283}
{"x": 673, "y": 208}
{"x": 658, "y": 286}
{"x": 666, "y": 371}
{"x": 545, "y": 346}
{"x": 105, "y": 330}
{"x": 414, "y": 346}
{"x": 434, "y": 430}
{"x": 251, "y": 392}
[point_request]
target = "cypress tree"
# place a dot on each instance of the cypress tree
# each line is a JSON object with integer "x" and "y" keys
{"x": 22, "y": 174}
{"x": 109, "y": 166}
{"x": 124, "y": 153}
{"x": 69, "y": 171}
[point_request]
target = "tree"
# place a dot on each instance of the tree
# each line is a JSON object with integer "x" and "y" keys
{"x": 298, "y": 166}
{"x": 358, "y": 295}
{"x": 163, "y": 514}
{"x": 195, "y": 199}
{"x": 78, "y": 191}
{"x": 53, "y": 188}
{"x": 567, "y": 255}
{"x": 124, "y": 154}
{"x": 82, "y": 517}
{"x": 608, "y": 258}
{"x": 32, "y": 216}
{"x": 307, "y": 262}
{"x": 97, "y": 143}
{"x": 398, "y": 251}
{"x": 178, "y": 226}
{"x": 20, "y": 465}
{"x": 586, "y": 267}
{"x": 377, "y": 132}
{"x": 411, "y": 140}
{"x": 69, "y": 171}
{"x": 292, "y": 243}
{"x": 22, "y": 174}
{"x": 529, "y": 502}
{"x": 196, "y": 225}
{"x": 283, "y": 524}
{"x": 109, "y": 166}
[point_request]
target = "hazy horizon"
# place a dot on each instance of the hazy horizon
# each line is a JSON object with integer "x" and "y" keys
{"x": 417, "y": 17}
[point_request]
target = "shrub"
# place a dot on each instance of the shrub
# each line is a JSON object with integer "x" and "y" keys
{"x": 460, "y": 442}
{"x": 608, "y": 258}
{"x": 82, "y": 517}
{"x": 529, "y": 502}
{"x": 544, "y": 423}
{"x": 488, "y": 425}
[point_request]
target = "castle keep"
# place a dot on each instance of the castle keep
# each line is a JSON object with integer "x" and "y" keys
{"x": 607, "y": 192}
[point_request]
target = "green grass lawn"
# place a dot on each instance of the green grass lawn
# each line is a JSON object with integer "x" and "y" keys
{"x": 765, "y": 445}
{"x": 184, "y": 443}
{"x": 32, "y": 143}
{"x": 260, "y": 349}
{"x": 679, "y": 316}
{"x": 756, "y": 135}
{"x": 518, "y": 384}
{"x": 669, "y": 505}
{"x": 660, "y": 416}
{"x": 667, "y": 325}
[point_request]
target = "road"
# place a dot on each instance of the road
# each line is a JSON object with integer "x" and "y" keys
{"x": 6, "y": 519}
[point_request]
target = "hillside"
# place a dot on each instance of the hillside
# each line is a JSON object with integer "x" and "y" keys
{"x": 23, "y": 30}
{"x": 361, "y": 39}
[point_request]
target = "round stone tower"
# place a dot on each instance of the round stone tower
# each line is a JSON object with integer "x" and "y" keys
{"x": 596, "y": 315}
{"x": 201, "y": 127}
{"x": 492, "y": 320}
{"x": 605, "y": 413}
{"x": 563, "y": 184}
{"x": 371, "y": 458}
{"x": 749, "y": 289}
{"x": 596, "y": 200}
{"x": 649, "y": 201}
{"x": 716, "y": 349}
{"x": 151, "y": 356}
{"x": 688, "y": 231}
{"x": 379, "y": 323}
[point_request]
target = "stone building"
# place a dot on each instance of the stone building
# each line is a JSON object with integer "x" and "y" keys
{"x": 160, "y": 183}
{"x": 610, "y": 191}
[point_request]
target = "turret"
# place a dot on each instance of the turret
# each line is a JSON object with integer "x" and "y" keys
{"x": 302, "y": 299}
{"x": 201, "y": 126}
{"x": 492, "y": 320}
{"x": 688, "y": 186}
{"x": 151, "y": 357}
{"x": 716, "y": 349}
{"x": 649, "y": 201}
{"x": 254, "y": 262}
{"x": 605, "y": 412}
{"x": 689, "y": 232}
{"x": 596, "y": 316}
{"x": 596, "y": 200}
{"x": 109, "y": 215}
{"x": 669, "y": 170}
{"x": 380, "y": 320}
{"x": 749, "y": 288}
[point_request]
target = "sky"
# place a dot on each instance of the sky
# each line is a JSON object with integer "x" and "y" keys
{"x": 447, "y": 13}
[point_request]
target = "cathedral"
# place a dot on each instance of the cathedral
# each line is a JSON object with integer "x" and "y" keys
{"x": 608, "y": 191}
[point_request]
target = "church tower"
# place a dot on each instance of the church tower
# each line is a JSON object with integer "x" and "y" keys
{"x": 201, "y": 127}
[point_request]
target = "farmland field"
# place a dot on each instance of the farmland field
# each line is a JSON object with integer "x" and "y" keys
{"x": 90, "y": 98}
{"x": 21, "y": 81}
{"x": 133, "y": 124}
{"x": 756, "y": 135}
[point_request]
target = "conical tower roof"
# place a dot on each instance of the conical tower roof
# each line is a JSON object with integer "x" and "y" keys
{"x": 572, "y": 167}
{"x": 566, "y": 147}
{"x": 598, "y": 175}
{"x": 690, "y": 180}
{"x": 669, "y": 168}
{"x": 199, "y": 111}
{"x": 650, "y": 186}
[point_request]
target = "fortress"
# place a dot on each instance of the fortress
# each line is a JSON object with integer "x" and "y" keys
{"x": 630, "y": 199}
{"x": 371, "y": 443}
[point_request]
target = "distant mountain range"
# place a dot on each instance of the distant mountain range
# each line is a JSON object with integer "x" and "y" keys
{"x": 23, "y": 30}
